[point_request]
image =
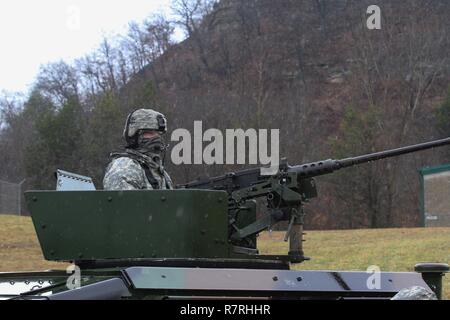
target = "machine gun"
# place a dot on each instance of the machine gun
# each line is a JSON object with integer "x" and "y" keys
{"x": 285, "y": 192}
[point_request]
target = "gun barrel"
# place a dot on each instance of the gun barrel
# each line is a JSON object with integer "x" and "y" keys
{"x": 347, "y": 162}
{"x": 328, "y": 166}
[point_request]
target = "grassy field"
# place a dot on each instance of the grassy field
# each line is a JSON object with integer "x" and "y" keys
{"x": 390, "y": 249}
{"x": 19, "y": 247}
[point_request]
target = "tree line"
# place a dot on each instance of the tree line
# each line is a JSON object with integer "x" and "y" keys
{"x": 310, "y": 68}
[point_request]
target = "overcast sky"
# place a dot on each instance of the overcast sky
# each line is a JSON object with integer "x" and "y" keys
{"x": 35, "y": 32}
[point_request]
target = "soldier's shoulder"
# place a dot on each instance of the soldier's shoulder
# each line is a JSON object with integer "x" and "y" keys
{"x": 123, "y": 173}
{"x": 123, "y": 163}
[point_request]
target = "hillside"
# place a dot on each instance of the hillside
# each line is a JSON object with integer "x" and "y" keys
{"x": 311, "y": 69}
{"x": 332, "y": 87}
{"x": 390, "y": 249}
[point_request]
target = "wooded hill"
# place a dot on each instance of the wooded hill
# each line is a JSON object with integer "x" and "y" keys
{"x": 310, "y": 68}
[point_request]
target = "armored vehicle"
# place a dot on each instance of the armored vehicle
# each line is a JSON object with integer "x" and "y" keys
{"x": 197, "y": 241}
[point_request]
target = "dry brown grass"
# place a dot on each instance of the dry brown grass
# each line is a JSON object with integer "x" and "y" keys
{"x": 19, "y": 247}
{"x": 390, "y": 249}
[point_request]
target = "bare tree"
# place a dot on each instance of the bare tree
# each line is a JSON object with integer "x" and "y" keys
{"x": 190, "y": 15}
{"x": 107, "y": 64}
{"x": 393, "y": 70}
{"x": 146, "y": 43}
{"x": 59, "y": 81}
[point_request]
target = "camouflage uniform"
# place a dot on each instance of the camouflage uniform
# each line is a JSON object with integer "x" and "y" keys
{"x": 139, "y": 167}
{"x": 415, "y": 293}
{"x": 128, "y": 172}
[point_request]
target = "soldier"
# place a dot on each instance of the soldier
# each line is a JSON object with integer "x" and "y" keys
{"x": 141, "y": 165}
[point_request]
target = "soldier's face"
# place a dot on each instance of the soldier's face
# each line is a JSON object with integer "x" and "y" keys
{"x": 148, "y": 134}
{"x": 150, "y": 141}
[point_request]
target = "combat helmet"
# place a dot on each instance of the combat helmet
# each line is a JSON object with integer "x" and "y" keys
{"x": 143, "y": 119}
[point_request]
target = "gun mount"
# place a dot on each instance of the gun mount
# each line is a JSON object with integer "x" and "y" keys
{"x": 285, "y": 193}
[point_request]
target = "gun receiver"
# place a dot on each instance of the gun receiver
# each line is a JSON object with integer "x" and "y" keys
{"x": 285, "y": 194}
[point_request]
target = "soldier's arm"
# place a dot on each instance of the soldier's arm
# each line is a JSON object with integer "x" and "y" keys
{"x": 124, "y": 174}
{"x": 169, "y": 182}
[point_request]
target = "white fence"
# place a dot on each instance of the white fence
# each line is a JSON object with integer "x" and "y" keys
{"x": 11, "y": 197}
